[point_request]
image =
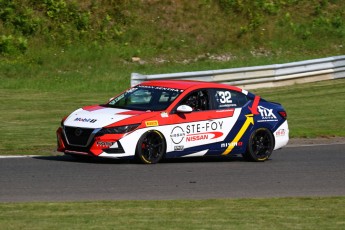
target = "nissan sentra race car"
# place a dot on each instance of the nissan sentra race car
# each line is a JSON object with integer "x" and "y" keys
{"x": 170, "y": 119}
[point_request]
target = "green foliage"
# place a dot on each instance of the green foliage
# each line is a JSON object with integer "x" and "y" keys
{"x": 17, "y": 18}
{"x": 12, "y": 45}
{"x": 322, "y": 19}
{"x": 254, "y": 12}
{"x": 61, "y": 22}
{"x": 178, "y": 28}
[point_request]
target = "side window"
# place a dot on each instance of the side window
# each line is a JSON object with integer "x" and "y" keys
{"x": 225, "y": 98}
{"x": 198, "y": 100}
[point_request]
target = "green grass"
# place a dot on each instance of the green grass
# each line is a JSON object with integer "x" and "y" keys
{"x": 276, "y": 213}
{"x": 56, "y": 56}
{"x": 314, "y": 109}
{"x": 31, "y": 118}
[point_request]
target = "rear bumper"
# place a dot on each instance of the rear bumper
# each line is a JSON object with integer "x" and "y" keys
{"x": 281, "y": 136}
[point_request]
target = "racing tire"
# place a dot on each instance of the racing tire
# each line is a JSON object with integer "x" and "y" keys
{"x": 260, "y": 145}
{"x": 151, "y": 147}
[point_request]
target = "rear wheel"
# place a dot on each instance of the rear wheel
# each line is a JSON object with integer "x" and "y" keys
{"x": 260, "y": 145}
{"x": 151, "y": 147}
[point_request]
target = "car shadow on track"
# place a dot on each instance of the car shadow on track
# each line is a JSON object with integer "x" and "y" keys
{"x": 202, "y": 159}
{"x": 81, "y": 159}
{"x": 98, "y": 160}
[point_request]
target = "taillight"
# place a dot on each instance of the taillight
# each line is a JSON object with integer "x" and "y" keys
{"x": 283, "y": 114}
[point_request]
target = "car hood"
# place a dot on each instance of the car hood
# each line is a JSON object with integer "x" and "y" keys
{"x": 98, "y": 116}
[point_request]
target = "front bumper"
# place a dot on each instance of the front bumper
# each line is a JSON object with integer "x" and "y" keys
{"x": 107, "y": 144}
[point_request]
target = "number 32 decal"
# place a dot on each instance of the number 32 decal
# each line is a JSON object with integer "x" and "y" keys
{"x": 225, "y": 97}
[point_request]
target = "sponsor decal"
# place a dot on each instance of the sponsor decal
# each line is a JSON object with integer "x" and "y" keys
{"x": 164, "y": 114}
{"x": 113, "y": 102}
{"x": 266, "y": 114}
{"x": 226, "y": 110}
{"x": 280, "y": 133}
{"x": 204, "y": 127}
{"x": 227, "y": 105}
{"x": 118, "y": 98}
{"x": 233, "y": 144}
{"x": 203, "y": 136}
{"x": 105, "y": 144}
{"x": 151, "y": 123}
{"x": 159, "y": 88}
{"x": 197, "y": 132}
{"x": 177, "y": 135}
{"x": 197, "y": 137}
{"x": 179, "y": 148}
{"x": 85, "y": 120}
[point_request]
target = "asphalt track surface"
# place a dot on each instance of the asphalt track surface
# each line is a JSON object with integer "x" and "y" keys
{"x": 291, "y": 172}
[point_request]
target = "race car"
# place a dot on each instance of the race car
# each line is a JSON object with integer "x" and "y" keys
{"x": 176, "y": 118}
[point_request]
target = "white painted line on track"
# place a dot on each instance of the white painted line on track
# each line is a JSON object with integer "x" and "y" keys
{"x": 310, "y": 145}
{"x": 20, "y": 156}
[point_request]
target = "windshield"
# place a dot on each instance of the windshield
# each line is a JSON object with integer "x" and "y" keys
{"x": 145, "y": 98}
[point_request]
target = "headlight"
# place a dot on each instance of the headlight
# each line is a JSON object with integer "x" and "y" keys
{"x": 118, "y": 129}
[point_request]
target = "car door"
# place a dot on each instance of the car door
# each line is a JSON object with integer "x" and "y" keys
{"x": 231, "y": 100}
{"x": 203, "y": 130}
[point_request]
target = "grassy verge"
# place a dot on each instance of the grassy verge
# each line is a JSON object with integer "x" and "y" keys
{"x": 174, "y": 28}
{"x": 30, "y": 117}
{"x": 277, "y": 213}
{"x": 314, "y": 110}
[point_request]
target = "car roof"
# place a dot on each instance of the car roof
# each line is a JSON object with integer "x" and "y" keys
{"x": 186, "y": 84}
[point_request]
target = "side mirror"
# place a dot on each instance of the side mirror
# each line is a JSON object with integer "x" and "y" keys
{"x": 184, "y": 109}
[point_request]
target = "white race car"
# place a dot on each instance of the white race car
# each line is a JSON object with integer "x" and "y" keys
{"x": 168, "y": 118}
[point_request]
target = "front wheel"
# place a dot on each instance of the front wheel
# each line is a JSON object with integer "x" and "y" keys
{"x": 260, "y": 145}
{"x": 151, "y": 147}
